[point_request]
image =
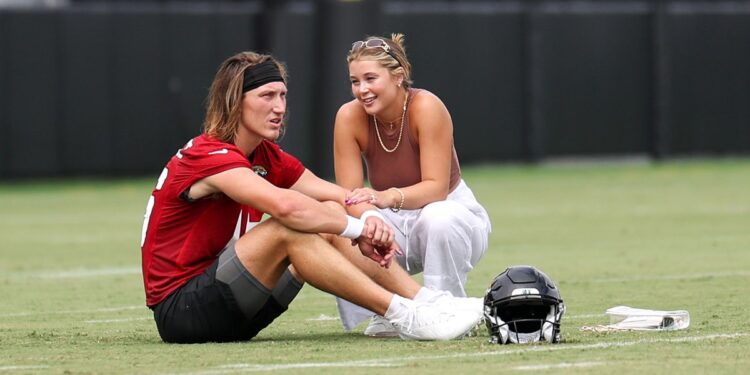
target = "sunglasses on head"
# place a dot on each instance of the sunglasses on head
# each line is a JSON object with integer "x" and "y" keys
{"x": 372, "y": 43}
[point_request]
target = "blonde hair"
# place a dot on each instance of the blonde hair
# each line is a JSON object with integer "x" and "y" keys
{"x": 392, "y": 60}
{"x": 224, "y": 102}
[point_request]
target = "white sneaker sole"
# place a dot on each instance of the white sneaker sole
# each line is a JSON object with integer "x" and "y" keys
{"x": 382, "y": 334}
{"x": 379, "y": 327}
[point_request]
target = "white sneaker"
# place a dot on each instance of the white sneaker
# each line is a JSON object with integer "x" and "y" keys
{"x": 435, "y": 322}
{"x": 440, "y": 296}
{"x": 380, "y": 327}
{"x": 473, "y": 304}
{"x": 444, "y": 296}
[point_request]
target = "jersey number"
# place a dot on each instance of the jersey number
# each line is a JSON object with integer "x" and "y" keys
{"x": 159, "y": 184}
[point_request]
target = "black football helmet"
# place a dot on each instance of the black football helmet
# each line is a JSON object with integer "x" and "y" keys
{"x": 523, "y": 305}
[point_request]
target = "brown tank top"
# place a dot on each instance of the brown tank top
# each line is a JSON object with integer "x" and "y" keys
{"x": 401, "y": 167}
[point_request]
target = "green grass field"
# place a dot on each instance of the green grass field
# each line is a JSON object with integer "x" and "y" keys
{"x": 658, "y": 236}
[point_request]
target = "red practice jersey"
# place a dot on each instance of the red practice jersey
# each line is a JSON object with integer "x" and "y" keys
{"x": 180, "y": 239}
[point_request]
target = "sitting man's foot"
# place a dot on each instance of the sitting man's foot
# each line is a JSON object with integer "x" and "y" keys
{"x": 473, "y": 304}
{"x": 436, "y": 321}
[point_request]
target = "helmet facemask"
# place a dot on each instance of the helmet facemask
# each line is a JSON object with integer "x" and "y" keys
{"x": 522, "y": 306}
{"x": 521, "y": 324}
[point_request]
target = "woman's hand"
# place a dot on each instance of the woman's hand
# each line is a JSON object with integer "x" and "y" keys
{"x": 376, "y": 198}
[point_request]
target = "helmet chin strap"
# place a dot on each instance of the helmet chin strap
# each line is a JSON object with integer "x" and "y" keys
{"x": 555, "y": 315}
{"x": 525, "y": 338}
{"x": 548, "y": 328}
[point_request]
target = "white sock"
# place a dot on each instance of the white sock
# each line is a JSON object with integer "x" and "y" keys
{"x": 398, "y": 308}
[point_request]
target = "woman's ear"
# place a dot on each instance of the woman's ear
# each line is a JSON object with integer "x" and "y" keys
{"x": 400, "y": 75}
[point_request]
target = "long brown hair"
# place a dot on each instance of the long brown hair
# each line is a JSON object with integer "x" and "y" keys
{"x": 224, "y": 102}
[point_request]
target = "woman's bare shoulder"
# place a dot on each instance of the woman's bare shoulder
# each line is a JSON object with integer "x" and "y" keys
{"x": 351, "y": 111}
{"x": 425, "y": 99}
{"x": 426, "y": 105}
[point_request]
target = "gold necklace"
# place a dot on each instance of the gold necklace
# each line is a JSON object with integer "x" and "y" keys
{"x": 400, "y": 131}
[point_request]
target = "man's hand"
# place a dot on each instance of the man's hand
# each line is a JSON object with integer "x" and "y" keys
{"x": 378, "y": 232}
{"x": 380, "y": 254}
{"x": 378, "y": 241}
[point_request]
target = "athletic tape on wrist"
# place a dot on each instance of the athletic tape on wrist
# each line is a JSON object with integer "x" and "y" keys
{"x": 353, "y": 228}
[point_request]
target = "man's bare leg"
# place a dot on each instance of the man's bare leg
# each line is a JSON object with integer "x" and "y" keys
{"x": 393, "y": 279}
{"x": 268, "y": 249}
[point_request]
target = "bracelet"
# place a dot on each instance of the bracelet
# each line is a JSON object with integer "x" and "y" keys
{"x": 369, "y": 213}
{"x": 354, "y": 228}
{"x": 400, "y": 204}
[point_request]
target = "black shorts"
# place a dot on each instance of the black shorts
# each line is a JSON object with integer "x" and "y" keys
{"x": 205, "y": 310}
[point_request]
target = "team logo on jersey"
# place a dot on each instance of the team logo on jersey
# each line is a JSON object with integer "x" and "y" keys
{"x": 260, "y": 170}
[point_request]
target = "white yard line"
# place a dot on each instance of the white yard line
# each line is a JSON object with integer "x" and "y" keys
{"x": 583, "y": 316}
{"x": 83, "y": 273}
{"x": 117, "y": 320}
{"x": 401, "y": 361}
{"x": 82, "y": 312}
{"x": 21, "y": 367}
{"x": 244, "y": 367}
{"x": 558, "y": 365}
{"x": 323, "y": 318}
{"x": 76, "y": 273}
{"x": 92, "y": 311}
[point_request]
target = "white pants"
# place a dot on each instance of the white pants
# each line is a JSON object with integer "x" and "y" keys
{"x": 444, "y": 240}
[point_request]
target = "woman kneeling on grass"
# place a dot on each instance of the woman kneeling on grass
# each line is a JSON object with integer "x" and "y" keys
{"x": 405, "y": 136}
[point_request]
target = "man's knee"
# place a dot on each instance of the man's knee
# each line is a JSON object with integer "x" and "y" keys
{"x": 273, "y": 233}
{"x": 277, "y": 234}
